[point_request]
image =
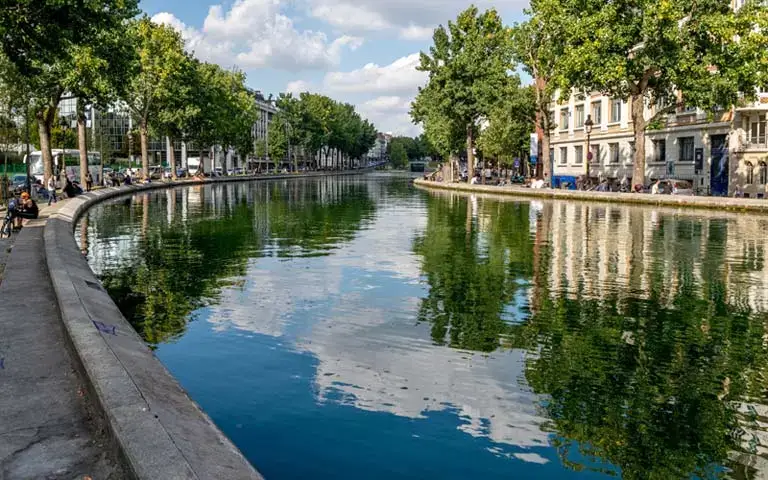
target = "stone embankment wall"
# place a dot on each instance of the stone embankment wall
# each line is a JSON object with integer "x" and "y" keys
{"x": 710, "y": 203}
{"x": 158, "y": 430}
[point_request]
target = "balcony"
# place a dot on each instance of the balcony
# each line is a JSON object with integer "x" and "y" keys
{"x": 756, "y": 143}
{"x": 759, "y": 104}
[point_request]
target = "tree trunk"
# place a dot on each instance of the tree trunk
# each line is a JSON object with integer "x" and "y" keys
{"x": 638, "y": 123}
{"x": 144, "y": 137}
{"x": 82, "y": 142}
{"x": 44, "y": 129}
{"x": 470, "y": 153}
{"x": 172, "y": 158}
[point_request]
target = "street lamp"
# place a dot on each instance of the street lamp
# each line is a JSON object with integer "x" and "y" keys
{"x": 588, "y": 130}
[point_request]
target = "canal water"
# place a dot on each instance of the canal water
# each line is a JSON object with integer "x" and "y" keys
{"x": 359, "y": 328}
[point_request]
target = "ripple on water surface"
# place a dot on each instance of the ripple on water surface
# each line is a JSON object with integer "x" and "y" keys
{"x": 360, "y": 328}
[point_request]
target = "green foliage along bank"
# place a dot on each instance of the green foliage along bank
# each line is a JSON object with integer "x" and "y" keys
{"x": 103, "y": 54}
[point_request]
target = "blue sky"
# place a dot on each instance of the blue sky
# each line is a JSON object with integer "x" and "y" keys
{"x": 357, "y": 51}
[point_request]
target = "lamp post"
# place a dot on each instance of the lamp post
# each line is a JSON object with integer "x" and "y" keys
{"x": 588, "y": 130}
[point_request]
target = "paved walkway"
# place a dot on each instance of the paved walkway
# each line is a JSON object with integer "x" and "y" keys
{"x": 46, "y": 428}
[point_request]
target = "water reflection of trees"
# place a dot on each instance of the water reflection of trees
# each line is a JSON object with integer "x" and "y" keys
{"x": 186, "y": 245}
{"x": 474, "y": 267}
{"x": 650, "y": 364}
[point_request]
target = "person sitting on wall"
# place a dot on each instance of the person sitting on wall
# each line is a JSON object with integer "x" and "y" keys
{"x": 71, "y": 189}
{"x": 26, "y": 209}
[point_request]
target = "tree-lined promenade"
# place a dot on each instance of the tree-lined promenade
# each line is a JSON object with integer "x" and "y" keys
{"x": 103, "y": 54}
{"x": 688, "y": 53}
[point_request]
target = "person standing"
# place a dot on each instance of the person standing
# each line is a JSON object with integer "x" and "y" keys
{"x": 51, "y": 187}
{"x": 88, "y": 182}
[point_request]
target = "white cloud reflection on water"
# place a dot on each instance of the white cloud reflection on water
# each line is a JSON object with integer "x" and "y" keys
{"x": 355, "y": 311}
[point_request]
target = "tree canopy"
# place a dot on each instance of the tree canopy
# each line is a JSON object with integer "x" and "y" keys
{"x": 698, "y": 53}
{"x": 468, "y": 66}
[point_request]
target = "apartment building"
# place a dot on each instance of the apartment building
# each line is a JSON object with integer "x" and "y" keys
{"x": 720, "y": 153}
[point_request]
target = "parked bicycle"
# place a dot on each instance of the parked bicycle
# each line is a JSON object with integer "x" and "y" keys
{"x": 7, "y": 227}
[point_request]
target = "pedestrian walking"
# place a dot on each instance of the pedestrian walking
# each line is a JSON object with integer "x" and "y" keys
{"x": 51, "y": 187}
{"x": 88, "y": 182}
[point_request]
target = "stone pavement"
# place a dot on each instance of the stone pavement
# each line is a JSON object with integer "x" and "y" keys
{"x": 47, "y": 426}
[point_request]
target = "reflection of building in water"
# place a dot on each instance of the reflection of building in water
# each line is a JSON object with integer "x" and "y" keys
{"x": 600, "y": 250}
{"x": 612, "y": 253}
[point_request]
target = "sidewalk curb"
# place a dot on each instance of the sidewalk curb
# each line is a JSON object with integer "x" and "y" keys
{"x": 708, "y": 203}
{"x": 158, "y": 429}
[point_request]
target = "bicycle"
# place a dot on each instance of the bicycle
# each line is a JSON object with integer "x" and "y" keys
{"x": 7, "y": 227}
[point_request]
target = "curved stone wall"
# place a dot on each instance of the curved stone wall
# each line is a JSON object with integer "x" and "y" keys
{"x": 159, "y": 430}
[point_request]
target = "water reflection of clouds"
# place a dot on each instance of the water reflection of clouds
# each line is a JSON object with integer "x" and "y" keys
{"x": 371, "y": 351}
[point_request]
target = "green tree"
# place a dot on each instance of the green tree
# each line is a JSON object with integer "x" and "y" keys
{"x": 97, "y": 74}
{"x": 39, "y": 33}
{"x": 537, "y": 45}
{"x": 43, "y": 41}
{"x": 398, "y": 155}
{"x": 706, "y": 52}
{"x": 155, "y": 75}
{"x": 180, "y": 109}
{"x": 510, "y": 124}
{"x": 467, "y": 68}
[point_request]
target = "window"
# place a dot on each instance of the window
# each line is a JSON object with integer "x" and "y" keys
{"x": 631, "y": 152}
{"x": 579, "y": 116}
{"x": 597, "y": 110}
{"x": 563, "y": 155}
{"x": 578, "y": 154}
{"x": 750, "y": 172}
{"x": 613, "y": 153}
{"x": 757, "y": 130}
{"x": 551, "y": 156}
{"x": 595, "y": 153}
{"x": 564, "y": 114}
{"x": 659, "y": 151}
{"x": 763, "y": 173}
{"x": 686, "y": 149}
{"x": 615, "y": 111}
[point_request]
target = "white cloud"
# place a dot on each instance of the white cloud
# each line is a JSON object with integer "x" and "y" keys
{"x": 399, "y": 76}
{"x": 256, "y": 33}
{"x": 415, "y": 32}
{"x": 390, "y": 114}
{"x": 299, "y": 86}
{"x": 387, "y": 92}
{"x": 411, "y": 18}
{"x": 349, "y": 17}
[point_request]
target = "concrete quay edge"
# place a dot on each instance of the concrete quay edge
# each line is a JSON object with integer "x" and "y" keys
{"x": 158, "y": 430}
{"x": 708, "y": 203}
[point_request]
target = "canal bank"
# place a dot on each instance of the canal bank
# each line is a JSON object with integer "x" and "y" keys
{"x": 135, "y": 417}
{"x": 709, "y": 203}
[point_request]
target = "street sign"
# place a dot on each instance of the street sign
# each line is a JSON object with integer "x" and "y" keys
{"x": 589, "y": 156}
{"x": 533, "y": 159}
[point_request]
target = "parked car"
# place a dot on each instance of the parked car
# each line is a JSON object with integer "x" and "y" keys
{"x": 239, "y": 171}
{"x": 18, "y": 183}
{"x": 156, "y": 172}
{"x": 671, "y": 186}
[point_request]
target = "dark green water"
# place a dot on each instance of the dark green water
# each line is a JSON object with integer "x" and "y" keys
{"x": 359, "y": 328}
